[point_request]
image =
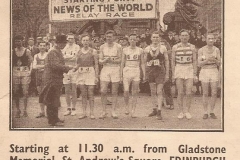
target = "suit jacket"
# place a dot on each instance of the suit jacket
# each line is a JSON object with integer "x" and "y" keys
{"x": 34, "y": 50}
{"x": 54, "y": 68}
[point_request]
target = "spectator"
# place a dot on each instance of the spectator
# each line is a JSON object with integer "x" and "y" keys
{"x": 148, "y": 36}
{"x": 170, "y": 38}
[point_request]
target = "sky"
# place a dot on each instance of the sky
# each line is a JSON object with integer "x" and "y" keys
{"x": 164, "y": 7}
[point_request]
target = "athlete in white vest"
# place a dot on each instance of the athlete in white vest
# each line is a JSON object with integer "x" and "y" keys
{"x": 184, "y": 69}
{"x": 38, "y": 65}
{"x": 209, "y": 61}
{"x": 132, "y": 59}
{"x": 110, "y": 58}
{"x": 69, "y": 53}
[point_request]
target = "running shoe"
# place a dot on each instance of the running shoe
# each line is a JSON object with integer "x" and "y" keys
{"x": 205, "y": 116}
{"x": 68, "y": 112}
{"x": 181, "y": 115}
{"x": 188, "y": 115}
{"x": 213, "y": 116}
{"x": 73, "y": 113}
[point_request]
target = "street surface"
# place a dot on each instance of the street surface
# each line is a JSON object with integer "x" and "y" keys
{"x": 124, "y": 122}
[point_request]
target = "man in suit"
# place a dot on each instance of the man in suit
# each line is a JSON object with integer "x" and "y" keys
{"x": 53, "y": 80}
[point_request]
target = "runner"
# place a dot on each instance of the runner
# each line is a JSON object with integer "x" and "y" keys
{"x": 131, "y": 59}
{"x": 209, "y": 60}
{"x": 157, "y": 72}
{"x": 21, "y": 62}
{"x": 69, "y": 53}
{"x": 110, "y": 57}
{"x": 38, "y": 65}
{"x": 87, "y": 66}
{"x": 184, "y": 69}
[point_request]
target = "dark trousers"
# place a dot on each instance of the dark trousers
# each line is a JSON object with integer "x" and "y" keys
{"x": 52, "y": 107}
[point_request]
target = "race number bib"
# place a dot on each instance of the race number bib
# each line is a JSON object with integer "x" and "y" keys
{"x": 113, "y": 58}
{"x": 83, "y": 69}
{"x": 153, "y": 63}
{"x": 156, "y": 62}
{"x": 182, "y": 59}
{"x": 132, "y": 57}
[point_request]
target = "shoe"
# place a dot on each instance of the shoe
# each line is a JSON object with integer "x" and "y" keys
{"x": 126, "y": 110}
{"x": 133, "y": 115}
{"x": 114, "y": 116}
{"x": 92, "y": 117}
{"x": 82, "y": 116}
{"x": 213, "y": 116}
{"x": 188, "y": 115}
{"x": 25, "y": 114}
{"x": 73, "y": 113}
{"x": 41, "y": 115}
{"x": 103, "y": 115}
{"x": 205, "y": 116}
{"x": 181, "y": 115}
{"x": 68, "y": 112}
{"x": 18, "y": 114}
{"x": 159, "y": 116}
{"x": 154, "y": 113}
{"x": 171, "y": 107}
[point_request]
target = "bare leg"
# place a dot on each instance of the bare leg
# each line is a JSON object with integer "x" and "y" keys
{"x": 126, "y": 85}
{"x": 135, "y": 89}
{"x": 83, "y": 89}
{"x": 189, "y": 86}
{"x": 179, "y": 85}
{"x": 91, "y": 100}
{"x": 74, "y": 98}
{"x": 68, "y": 91}
{"x": 160, "y": 100}
{"x": 214, "y": 86}
{"x": 25, "y": 98}
{"x": 16, "y": 98}
{"x": 115, "y": 86}
{"x": 205, "y": 97}
{"x": 74, "y": 95}
{"x": 153, "y": 90}
{"x": 160, "y": 95}
{"x": 104, "y": 88}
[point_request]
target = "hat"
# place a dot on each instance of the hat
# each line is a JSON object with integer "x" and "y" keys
{"x": 18, "y": 38}
{"x": 61, "y": 39}
{"x": 31, "y": 38}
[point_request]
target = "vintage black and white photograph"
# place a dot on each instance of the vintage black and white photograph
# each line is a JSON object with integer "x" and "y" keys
{"x": 143, "y": 65}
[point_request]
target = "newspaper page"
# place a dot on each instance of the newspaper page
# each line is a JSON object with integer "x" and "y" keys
{"x": 119, "y": 80}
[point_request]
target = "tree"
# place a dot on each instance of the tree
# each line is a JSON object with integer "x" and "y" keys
{"x": 32, "y": 16}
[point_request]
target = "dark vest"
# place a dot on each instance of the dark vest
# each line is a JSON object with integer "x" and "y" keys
{"x": 20, "y": 61}
{"x": 86, "y": 60}
{"x": 152, "y": 61}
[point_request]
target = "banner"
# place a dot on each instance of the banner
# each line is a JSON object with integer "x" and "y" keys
{"x": 73, "y": 10}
